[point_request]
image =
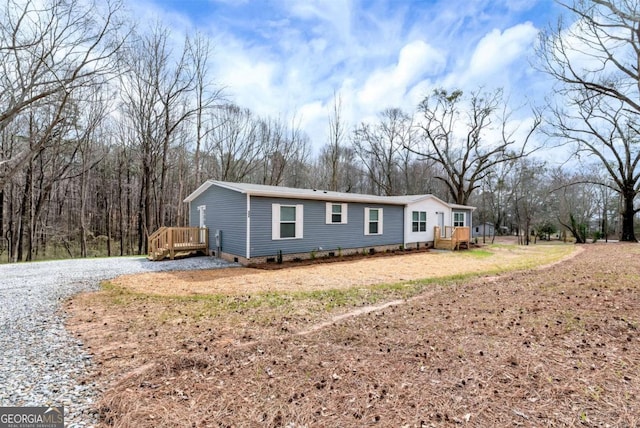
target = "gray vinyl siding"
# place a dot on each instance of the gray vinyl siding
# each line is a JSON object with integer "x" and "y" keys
{"x": 316, "y": 233}
{"x": 227, "y": 211}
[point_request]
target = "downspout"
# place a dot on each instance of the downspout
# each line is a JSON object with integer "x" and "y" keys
{"x": 248, "y": 243}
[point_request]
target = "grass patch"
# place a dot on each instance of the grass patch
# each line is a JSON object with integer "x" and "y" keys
{"x": 201, "y": 306}
{"x": 478, "y": 253}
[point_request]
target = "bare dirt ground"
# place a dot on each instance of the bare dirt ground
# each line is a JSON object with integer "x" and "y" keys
{"x": 557, "y": 346}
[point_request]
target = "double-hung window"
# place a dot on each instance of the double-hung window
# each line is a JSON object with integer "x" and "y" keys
{"x": 373, "y": 221}
{"x": 286, "y": 221}
{"x": 419, "y": 221}
{"x": 336, "y": 213}
{"x": 458, "y": 219}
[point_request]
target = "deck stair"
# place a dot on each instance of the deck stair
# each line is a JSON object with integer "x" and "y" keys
{"x": 453, "y": 238}
{"x": 171, "y": 241}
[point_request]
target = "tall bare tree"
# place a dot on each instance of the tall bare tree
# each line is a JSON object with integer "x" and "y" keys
{"x": 280, "y": 145}
{"x": 206, "y": 94}
{"x": 157, "y": 90}
{"x": 468, "y": 137}
{"x": 231, "y": 151}
{"x": 334, "y": 149}
{"x": 381, "y": 147}
{"x": 48, "y": 51}
{"x": 529, "y": 196}
{"x": 595, "y": 63}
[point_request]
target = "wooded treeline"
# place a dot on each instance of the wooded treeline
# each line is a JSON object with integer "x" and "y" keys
{"x": 105, "y": 129}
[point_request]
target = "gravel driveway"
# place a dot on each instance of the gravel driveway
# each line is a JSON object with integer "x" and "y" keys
{"x": 40, "y": 364}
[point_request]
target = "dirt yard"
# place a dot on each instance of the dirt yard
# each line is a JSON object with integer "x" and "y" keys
{"x": 354, "y": 273}
{"x": 389, "y": 342}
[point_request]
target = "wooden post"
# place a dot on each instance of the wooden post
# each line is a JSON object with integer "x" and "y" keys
{"x": 171, "y": 250}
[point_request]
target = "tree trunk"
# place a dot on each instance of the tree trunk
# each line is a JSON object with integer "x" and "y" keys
{"x": 83, "y": 208}
{"x": 577, "y": 230}
{"x": 628, "y": 213}
{"x": 107, "y": 205}
{"x": 24, "y": 215}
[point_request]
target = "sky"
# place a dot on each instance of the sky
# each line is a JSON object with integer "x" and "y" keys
{"x": 287, "y": 58}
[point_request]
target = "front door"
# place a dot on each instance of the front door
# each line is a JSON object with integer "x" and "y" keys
{"x": 441, "y": 224}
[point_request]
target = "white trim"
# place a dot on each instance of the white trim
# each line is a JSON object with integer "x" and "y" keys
{"x": 366, "y": 221}
{"x": 275, "y": 222}
{"x": 453, "y": 218}
{"x": 367, "y": 212}
{"x": 248, "y": 249}
{"x": 299, "y": 221}
{"x": 202, "y": 215}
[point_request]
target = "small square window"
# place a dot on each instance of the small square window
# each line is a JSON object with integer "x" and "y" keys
{"x": 336, "y": 213}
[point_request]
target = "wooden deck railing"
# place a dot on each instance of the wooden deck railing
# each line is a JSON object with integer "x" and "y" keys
{"x": 168, "y": 241}
{"x": 452, "y": 238}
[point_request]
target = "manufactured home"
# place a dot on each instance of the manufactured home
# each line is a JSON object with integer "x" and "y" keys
{"x": 251, "y": 223}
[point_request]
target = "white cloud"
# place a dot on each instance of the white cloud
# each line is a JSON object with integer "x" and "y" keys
{"x": 290, "y": 56}
{"x": 499, "y": 49}
{"x": 387, "y": 87}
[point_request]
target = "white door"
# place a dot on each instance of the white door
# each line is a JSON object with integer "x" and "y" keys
{"x": 441, "y": 224}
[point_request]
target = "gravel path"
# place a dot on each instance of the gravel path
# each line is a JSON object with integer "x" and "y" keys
{"x": 40, "y": 364}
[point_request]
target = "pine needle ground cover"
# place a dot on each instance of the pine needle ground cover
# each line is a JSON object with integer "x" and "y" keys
{"x": 544, "y": 335}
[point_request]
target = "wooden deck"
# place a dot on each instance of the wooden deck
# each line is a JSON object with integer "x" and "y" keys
{"x": 171, "y": 241}
{"x": 452, "y": 239}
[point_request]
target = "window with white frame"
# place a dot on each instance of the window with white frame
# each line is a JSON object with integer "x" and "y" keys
{"x": 373, "y": 221}
{"x": 287, "y": 221}
{"x": 419, "y": 221}
{"x": 458, "y": 219}
{"x": 336, "y": 213}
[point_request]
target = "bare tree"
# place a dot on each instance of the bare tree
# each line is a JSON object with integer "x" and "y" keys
{"x": 207, "y": 96}
{"x": 381, "y": 147}
{"x": 529, "y": 199}
{"x": 48, "y": 51}
{"x": 156, "y": 104}
{"x": 496, "y": 197}
{"x": 456, "y": 132}
{"x": 595, "y": 63}
{"x": 232, "y": 147}
{"x": 333, "y": 151}
{"x": 280, "y": 145}
{"x": 574, "y": 195}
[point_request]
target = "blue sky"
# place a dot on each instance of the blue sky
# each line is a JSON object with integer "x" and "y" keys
{"x": 288, "y": 57}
